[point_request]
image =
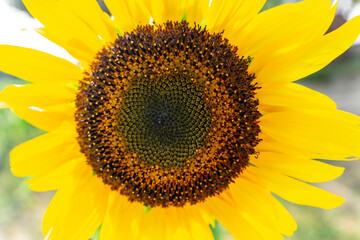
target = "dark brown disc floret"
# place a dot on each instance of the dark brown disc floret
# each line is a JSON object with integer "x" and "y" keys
{"x": 167, "y": 114}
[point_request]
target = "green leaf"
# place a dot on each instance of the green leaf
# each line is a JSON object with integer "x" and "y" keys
{"x": 147, "y": 209}
{"x": 184, "y": 18}
{"x": 251, "y": 164}
{"x": 96, "y": 235}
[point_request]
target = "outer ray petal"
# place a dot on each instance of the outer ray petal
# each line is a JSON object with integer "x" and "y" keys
{"x": 328, "y": 133}
{"x": 158, "y": 223}
{"x": 310, "y": 18}
{"x": 44, "y": 153}
{"x": 197, "y": 226}
{"x": 56, "y": 177}
{"x": 90, "y": 12}
{"x": 162, "y": 10}
{"x": 196, "y": 10}
{"x": 229, "y": 217}
{"x": 277, "y": 146}
{"x": 292, "y": 96}
{"x": 47, "y": 118}
{"x": 292, "y": 23}
{"x": 79, "y": 51}
{"x": 289, "y": 65}
{"x": 263, "y": 230}
{"x": 35, "y": 66}
{"x": 78, "y": 209}
{"x": 175, "y": 223}
{"x": 259, "y": 205}
{"x": 232, "y": 16}
{"x": 69, "y": 31}
{"x": 182, "y": 229}
{"x": 28, "y": 103}
{"x": 154, "y": 226}
{"x": 303, "y": 168}
{"x": 269, "y": 144}
{"x": 33, "y": 94}
{"x": 122, "y": 218}
{"x": 128, "y": 14}
{"x": 293, "y": 190}
{"x": 165, "y": 10}
{"x": 256, "y": 206}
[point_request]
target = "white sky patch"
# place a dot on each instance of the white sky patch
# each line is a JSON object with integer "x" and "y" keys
{"x": 334, "y": 2}
{"x": 36, "y": 109}
{"x": 12, "y": 25}
{"x": 355, "y": 11}
{"x": 151, "y": 21}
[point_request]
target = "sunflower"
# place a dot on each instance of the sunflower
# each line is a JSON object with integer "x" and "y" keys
{"x": 177, "y": 114}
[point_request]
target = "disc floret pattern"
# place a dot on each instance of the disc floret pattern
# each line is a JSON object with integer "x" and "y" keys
{"x": 167, "y": 115}
{"x": 164, "y": 120}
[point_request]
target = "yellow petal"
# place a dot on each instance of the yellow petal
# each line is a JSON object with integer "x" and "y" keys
{"x": 154, "y": 225}
{"x": 122, "y": 218}
{"x": 290, "y": 65}
{"x": 263, "y": 230}
{"x": 196, "y": 11}
{"x": 128, "y": 14}
{"x": 293, "y": 190}
{"x": 55, "y": 177}
{"x": 230, "y": 218}
{"x": 178, "y": 229}
{"x": 174, "y": 10}
{"x": 292, "y": 96}
{"x": 175, "y": 223}
{"x": 302, "y": 168}
{"x": 44, "y": 153}
{"x": 197, "y": 226}
{"x": 328, "y": 134}
{"x": 27, "y": 101}
{"x": 33, "y": 94}
{"x": 232, "y": 16}
{"x": 269, "y": 144}
{"x": 76, "y": 210}
{"x": 75, "y": 48}
{"x": 90, "y": 12}
{"x": 295, "y": 25}
{"x": 47, "y": 118}
{"x": 35, "y": 66}
{"x": 286, "y": 26}
{"x": 63, "y": 24}
{"x": 162, "y": 10}
{"x": 261, "y": 207}
{"x": 182, "y": 233}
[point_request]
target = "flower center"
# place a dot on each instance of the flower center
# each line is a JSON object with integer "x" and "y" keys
{"x": 164, "y": 120}
{"x": 167, "y": 114}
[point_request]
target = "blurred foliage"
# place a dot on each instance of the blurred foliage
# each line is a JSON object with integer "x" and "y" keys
{"x": 271, "y": 3}
{"x": 16, "y": 198}
{"x": 17, "y": 4}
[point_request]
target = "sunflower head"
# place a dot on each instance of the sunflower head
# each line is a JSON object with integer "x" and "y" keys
{"x": 187, "y": 108}
{"x": 167, "y": 115}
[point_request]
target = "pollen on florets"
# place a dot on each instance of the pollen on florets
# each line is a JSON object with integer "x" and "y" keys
{"x": 167, "y": 114}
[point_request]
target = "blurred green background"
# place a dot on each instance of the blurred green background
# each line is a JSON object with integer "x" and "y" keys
{"x": 21, "y": 210}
